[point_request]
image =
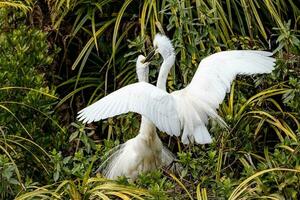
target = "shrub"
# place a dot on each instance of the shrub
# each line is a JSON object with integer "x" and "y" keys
{"x": 27, "y": 123}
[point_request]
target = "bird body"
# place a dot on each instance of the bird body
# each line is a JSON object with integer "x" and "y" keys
{"x": 139, "y": 154}
{"x": 143, "y": 153}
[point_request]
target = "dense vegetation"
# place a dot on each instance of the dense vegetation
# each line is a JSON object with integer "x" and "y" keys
{"x": 57, "y": 56}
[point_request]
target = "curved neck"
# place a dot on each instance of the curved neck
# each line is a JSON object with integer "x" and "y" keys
{"x": 147, "y": 128}
{"x": 143, "y": 75}
{"x": 164, "y": 71}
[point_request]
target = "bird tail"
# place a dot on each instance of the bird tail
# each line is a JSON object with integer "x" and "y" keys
{"x": 112, "y": 158}
{"x": 123, "y": 160}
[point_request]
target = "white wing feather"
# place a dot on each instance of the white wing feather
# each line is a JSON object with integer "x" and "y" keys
{"x": 187, "y": 109}
{"x": 216, "y": 72}
{"x": 209, "y": 86}
{"x": 143, "y": 98}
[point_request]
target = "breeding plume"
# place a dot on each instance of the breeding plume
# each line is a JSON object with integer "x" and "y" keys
{"x": 143, "y": 153}
{"x": 187, "y": 110}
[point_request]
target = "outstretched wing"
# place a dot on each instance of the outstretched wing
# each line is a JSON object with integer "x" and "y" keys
{"x": 143, "y": 98}
{"x": 213, "y": 79}
{"x": 216, "y": 72}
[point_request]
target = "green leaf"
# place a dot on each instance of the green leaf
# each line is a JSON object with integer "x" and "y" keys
{"x": 56, "y": 176}
{"x": 73, "y": 136}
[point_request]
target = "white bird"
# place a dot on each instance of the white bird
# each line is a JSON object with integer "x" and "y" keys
{"x": 143, "y": 153}
{"x": 187, "y": 109}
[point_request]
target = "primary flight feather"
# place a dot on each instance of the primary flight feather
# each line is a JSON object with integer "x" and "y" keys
{"x": 142, "y": 98}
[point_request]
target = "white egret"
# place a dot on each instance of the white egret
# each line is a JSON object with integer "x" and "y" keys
{"x": 143, "y": 153}
{"x": 187, "y": 109}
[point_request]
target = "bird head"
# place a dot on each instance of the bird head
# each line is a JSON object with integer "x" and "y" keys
{"x": 162, "y": 45}
{"x": 142, "y": 68}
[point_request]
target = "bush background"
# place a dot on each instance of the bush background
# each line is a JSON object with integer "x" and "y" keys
{"x": 57, "y": 57}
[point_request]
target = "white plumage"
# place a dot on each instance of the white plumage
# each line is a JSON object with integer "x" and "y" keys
{"x": 143, "y": 153}
{"x": 190, "y": 108}
{"x": 142, "y": 98}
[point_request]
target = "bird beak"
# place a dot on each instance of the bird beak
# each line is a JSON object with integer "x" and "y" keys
{"x": 150, "y": 55}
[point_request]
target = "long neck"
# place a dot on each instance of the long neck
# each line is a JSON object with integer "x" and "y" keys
{"x": 164, "y": 71}
{"x": 143, "y": 75}
{"x": 147, "y": 128}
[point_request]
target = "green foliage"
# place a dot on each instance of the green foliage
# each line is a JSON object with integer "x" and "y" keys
{"x": 23, "y": 89}
{"x": 256, "y": 157}
{"x": 156, "y": 183}
{"x": 85, "y": 188}
{"x": 23, "y": 5}
{"x": 91, "y": 188}
{"x": 8, "y": 181}
{"x": 26, "y": 104}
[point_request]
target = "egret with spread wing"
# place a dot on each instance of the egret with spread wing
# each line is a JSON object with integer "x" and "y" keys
{"x": 187, "y": 109}
{"x": 143, "y": 153}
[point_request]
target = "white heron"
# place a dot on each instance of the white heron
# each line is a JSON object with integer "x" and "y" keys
{"x": 143, "y": 153}
{"x": 187, "y": 109}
